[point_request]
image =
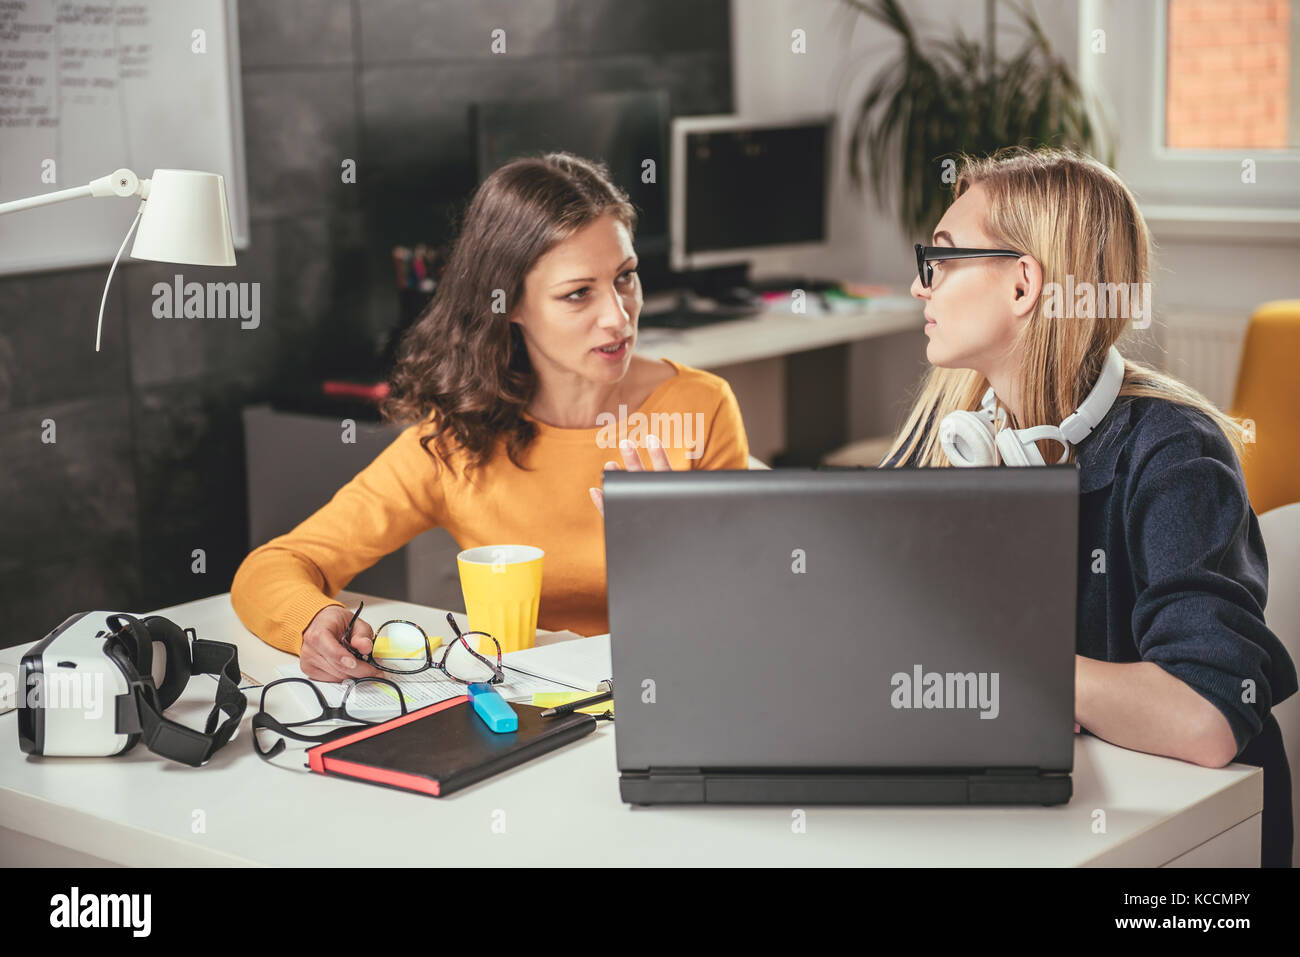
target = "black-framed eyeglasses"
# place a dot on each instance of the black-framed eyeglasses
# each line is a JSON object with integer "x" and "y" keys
{"x": 402, "y": 647}
{"x": 925, "y": 255}
{"x": 366, "y": 701}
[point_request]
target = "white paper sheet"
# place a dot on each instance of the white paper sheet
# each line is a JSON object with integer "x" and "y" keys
{"x": 420, "y": 691}
{"x": 579, "y": 662}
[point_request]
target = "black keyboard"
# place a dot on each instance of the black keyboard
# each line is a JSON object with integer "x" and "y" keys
{"x": 691, "y": 318}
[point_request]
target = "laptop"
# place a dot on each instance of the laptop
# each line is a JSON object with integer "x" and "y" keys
{"x": 844, "y": 636}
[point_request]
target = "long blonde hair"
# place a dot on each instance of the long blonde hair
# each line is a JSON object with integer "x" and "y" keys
{"x": 1075, "y": 217}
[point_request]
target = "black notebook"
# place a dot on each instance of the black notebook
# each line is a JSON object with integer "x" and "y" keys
{"x": 444, "y": 747}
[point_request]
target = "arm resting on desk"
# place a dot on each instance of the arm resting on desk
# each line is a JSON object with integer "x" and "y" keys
{"x": 1140, "y": 706}
{"x": 1210, "y": 668}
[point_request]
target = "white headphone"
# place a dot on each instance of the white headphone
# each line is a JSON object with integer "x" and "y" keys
{"x": 971, "y": 438}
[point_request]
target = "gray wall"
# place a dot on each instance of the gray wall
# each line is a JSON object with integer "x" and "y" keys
{"x": 149, "y": 462}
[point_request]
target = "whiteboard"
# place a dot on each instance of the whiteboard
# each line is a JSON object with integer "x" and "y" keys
{"x": 98, "y": 86}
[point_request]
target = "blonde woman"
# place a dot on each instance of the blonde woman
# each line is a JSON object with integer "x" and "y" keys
{"x": 1023, "y": 308}
{"x": 517, "y": 385}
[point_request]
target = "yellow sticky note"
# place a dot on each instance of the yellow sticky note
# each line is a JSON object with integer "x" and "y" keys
{"x": 384, "y": 648}
{"x": 551, "y": 699}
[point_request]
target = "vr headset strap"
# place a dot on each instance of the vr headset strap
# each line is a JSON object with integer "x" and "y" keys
{"x": 175, "y": 741}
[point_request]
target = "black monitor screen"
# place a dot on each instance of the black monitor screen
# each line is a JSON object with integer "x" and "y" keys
{"x": 756, "y": 187}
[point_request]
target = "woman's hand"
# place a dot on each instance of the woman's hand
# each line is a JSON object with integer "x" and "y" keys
{"x": 323, "y": 657}
{"x": 658, "y": 458}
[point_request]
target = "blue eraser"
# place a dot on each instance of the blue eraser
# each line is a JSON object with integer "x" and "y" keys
{"x": 492, "y": 708}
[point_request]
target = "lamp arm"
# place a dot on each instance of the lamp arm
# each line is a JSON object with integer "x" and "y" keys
{"x": 120, "y": 182}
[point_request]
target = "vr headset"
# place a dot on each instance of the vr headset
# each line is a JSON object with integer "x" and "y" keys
{"x": 95, "y": 687}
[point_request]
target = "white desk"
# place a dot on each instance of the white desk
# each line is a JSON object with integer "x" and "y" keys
{"x": 141, "y": 810}
{"x": 775, "y": 333}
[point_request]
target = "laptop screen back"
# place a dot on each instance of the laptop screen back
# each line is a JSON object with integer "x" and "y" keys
{"x": 883, "y": 619}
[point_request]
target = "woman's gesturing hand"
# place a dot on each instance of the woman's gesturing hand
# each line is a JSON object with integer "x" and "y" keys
{"x": 632, "y": 461}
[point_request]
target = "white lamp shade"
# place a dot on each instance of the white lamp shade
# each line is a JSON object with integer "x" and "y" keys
{"x": 185, "y": 220}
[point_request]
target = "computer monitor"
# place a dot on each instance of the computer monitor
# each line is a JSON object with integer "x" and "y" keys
{"x": 621, "y": 129}
{"x": 740, "y": 187}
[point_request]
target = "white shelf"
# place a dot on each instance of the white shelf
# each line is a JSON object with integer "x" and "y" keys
{"x": 774, "y": 333}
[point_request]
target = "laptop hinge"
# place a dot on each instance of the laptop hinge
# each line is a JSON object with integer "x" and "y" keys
{"x": 794, "y": 786}
{"x": 663, "y": 785}
{"x": 1020, "y": 772}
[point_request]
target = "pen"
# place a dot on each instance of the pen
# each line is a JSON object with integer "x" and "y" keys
{"x": 399, "y": 263}
{"x": 347, "y": 635}
{"x": 574, "y": 705}
{"x": 418, "y": 264}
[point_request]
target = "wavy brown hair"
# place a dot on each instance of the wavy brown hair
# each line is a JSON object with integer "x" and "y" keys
{"x": 463, "y": 365}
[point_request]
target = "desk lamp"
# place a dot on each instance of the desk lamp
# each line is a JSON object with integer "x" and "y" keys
{"x": 183, "y": 218}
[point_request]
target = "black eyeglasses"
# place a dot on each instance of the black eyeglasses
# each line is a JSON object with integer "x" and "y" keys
{"x": 402, "y": 648}
{"x": 366, "y": 701}
{"x": 928, "y": 254}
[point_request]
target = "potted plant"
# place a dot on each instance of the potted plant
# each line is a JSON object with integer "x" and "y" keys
{"x": 944, "y": 97}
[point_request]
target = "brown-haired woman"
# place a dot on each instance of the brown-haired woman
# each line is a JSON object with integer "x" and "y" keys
{"x": 512, "y": 381}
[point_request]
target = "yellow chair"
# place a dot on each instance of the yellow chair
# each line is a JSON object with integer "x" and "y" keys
{"x": 1268, "y": 394}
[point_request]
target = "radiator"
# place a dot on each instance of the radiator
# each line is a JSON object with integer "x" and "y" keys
{"x": 1204, "y": 350}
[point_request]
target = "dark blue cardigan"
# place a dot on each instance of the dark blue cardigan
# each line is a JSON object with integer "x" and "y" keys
{"x": 1185, "y": 578}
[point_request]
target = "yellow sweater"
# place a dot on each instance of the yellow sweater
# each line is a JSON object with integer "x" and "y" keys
{"x": 280, "y": 586}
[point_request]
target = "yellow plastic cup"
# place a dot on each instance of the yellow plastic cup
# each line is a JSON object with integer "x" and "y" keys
{"x": 502, "y": 587}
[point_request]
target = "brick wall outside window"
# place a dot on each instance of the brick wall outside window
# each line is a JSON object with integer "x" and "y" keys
{"x": 1229, "y": 73}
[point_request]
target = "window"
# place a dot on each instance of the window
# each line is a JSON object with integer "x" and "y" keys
{"x": 1203, "y": 100}
{"x": 1231, "y": 74}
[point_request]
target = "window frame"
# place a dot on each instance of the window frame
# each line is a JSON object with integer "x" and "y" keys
{"x": 1181, "y": 191}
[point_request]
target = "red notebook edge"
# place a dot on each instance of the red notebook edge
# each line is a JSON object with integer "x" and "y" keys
{"x": 316, "y": 756}
{"x": 395, "y": 779}
{"x": 571, "y": 728}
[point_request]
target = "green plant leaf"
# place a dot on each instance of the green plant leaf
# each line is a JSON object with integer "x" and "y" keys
{"x": 939, "y": 99}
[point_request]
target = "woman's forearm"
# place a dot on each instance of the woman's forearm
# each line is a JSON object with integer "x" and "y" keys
{"x": 1140, "y": 706}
